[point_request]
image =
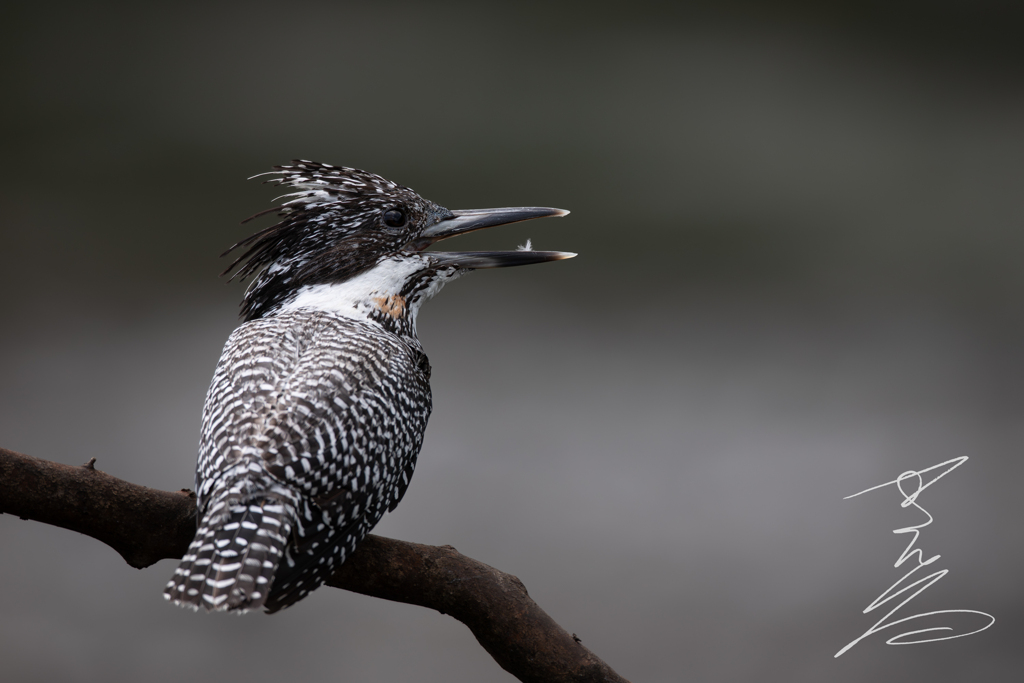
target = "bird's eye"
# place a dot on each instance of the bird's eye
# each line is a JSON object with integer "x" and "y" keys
{"x": 394, "y": 218}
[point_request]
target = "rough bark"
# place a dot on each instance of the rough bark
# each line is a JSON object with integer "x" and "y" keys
{"x": 147, "y": 525}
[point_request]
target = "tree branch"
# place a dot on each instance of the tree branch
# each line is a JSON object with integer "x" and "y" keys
{"x": 146, "y": 525}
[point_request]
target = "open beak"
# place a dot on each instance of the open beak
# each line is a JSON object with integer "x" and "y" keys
{"x": 469, "y": 220}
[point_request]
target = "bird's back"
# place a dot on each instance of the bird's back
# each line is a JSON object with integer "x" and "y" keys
{"x": 311, "y": 429}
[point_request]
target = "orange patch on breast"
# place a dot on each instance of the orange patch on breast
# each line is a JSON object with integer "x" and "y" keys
{"x": 393, "y": 305}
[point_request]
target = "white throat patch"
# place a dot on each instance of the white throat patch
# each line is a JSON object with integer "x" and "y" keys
{"x": 377, "y": 289}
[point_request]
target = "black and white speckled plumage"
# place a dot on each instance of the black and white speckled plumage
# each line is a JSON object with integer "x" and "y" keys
{"x": 319, "y": 418}
{"x": 317, "y": 408}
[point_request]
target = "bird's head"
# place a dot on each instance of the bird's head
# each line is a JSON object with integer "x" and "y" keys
{"x": 348, "y": 238}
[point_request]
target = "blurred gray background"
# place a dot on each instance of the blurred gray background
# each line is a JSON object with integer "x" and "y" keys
{"x": 799, "y": 276}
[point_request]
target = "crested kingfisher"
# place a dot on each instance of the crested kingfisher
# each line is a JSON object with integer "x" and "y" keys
{"x": 316, "y": 411}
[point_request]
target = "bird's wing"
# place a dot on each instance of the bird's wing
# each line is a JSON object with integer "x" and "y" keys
{"x": 333, "y": 410}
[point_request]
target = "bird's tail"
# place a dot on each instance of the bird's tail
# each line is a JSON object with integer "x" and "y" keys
{"x": 231, "y": 562}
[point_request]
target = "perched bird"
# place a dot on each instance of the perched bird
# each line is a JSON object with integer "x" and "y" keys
{"x": 317, "y": 408}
